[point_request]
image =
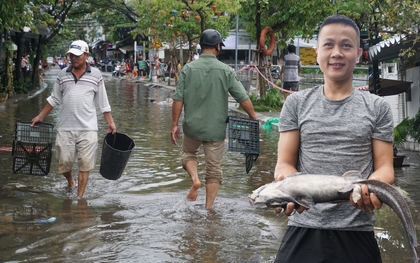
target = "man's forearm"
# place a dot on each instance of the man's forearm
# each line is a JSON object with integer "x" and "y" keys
{"x": 249, "y": 108}
{"x": 176, "y": 111}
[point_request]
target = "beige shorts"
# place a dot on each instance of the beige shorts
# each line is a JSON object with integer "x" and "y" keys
{"x": 213, "y": 152}
{"x": 72, "y": 144}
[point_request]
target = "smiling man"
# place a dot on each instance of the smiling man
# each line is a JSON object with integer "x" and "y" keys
{"x": 331, "y": 129}
{"x": 78, "y": 88}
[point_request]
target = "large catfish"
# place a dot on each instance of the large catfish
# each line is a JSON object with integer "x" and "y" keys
{"x": 308, "y": 189}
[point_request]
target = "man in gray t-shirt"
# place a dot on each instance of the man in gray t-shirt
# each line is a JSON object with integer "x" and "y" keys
{"x": 329, "y": 130}
{"x": 290, "y": 70}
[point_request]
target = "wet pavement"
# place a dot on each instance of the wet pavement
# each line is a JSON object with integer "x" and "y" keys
{"x": 144, "y": 216}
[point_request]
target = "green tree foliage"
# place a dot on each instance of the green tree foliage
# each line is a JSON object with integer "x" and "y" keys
{"x": 413, "y": 127}
{"x": 112, "y": 14}
{"x": 86, "y": 16}
{"x": 400, "y": 134}
{"x": 51, "y": 16}
{"x": 287, "y": 18}
{"x": 385, "y": 18}
{"x": 171, "y": 21}
{"x": 16, "y": 14}
{"x": 360, "y": 11}
{"x": 271, "y": 101}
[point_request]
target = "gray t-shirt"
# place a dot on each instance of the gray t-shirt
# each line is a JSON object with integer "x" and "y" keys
{"x": 291, "y": 63}
{"x": 335, "y": 137}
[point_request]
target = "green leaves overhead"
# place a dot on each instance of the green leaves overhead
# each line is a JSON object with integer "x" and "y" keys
{"x": 11, "y": 14}
{"x": 169, "y": 20}
{"x": 288, "y": 18}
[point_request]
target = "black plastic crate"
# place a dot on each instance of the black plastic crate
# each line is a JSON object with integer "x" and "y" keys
{"x": 32, "y": 148}
{"x": 244, "y": 135}
{"x": 42, "y": 133}
{"x": 32, "y": 158}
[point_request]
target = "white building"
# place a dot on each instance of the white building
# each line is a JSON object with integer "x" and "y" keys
{"x": 407, "y": 101}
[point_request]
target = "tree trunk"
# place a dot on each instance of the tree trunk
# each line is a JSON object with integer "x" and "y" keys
{"x": 19, "y": 54}
{"x": 37, "y": 59}
{"x": 8, "y": 65}
{"x": 260, "y": 56}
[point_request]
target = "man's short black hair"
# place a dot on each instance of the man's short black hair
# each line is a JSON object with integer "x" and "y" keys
{"x": 340, "y": 19}
{"x": 291, "y": 48}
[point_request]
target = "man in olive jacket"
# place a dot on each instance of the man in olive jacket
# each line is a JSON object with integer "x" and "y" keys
{"x": 202, "y": 91}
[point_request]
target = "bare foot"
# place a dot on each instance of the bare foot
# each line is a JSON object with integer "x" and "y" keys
{"x": 193, "y": 193}
{"x": 72, "y": 185}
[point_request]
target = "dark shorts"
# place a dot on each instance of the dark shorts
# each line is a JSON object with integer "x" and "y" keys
{"x": 294, "y": 86}
{"x": 307, "y": 245}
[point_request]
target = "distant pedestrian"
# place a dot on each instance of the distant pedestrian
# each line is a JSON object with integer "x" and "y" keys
{"x": 129, "y": 66}
{"x": 142, "y": 66}
{"x": 161, "y": 70}
{"x": 135, "y": 71}
{"x": 25, "y": 65}
{"x": 291, "y": 70}
{"x": 77, "y": 89}
{"x": 202, "y": 91}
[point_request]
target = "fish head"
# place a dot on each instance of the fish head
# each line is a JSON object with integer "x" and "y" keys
{"x": 273, "y": 195}
{"x": 266, "y": 192}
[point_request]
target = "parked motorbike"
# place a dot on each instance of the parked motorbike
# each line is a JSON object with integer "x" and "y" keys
{"x": 62, "y": 64}
{"x": 118, "y": 71}
{"x": 275, "y": 71}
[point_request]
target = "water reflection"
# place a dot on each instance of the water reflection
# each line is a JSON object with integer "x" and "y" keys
{"x": 144, "y": 216}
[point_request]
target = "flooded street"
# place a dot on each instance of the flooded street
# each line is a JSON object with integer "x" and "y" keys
{"x": 144, "y": 216}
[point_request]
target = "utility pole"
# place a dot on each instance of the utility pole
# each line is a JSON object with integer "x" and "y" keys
{"x": 236, "y": 44}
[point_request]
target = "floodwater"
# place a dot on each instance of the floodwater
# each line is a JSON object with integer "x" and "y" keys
{"x": 144, "y": 216}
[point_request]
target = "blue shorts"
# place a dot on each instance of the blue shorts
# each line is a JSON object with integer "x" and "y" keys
{"x": 307, "y": 245}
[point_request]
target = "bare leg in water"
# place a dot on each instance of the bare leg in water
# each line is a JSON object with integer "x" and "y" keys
{"x": 71, "y": 182}
{"x": 211, "y": 188}
{"x": 211, "y": 193}
{"x": 191, "y": 168}
{"x": 82, "y": 180}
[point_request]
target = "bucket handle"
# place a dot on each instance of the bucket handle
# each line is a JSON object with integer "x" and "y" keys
{"x": 115, "y": 137}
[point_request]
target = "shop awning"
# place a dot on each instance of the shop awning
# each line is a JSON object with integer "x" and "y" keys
{"x": 96, "y": 43}
{"x": 391, "y": 48}
{"x": 390, "y": 87}
{"x": 124, "y": 49}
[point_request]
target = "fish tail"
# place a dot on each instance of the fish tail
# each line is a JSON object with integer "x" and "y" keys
{"x": 390, "y": 196}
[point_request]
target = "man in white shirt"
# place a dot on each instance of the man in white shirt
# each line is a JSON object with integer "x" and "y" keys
{"x": 77, "y": 89}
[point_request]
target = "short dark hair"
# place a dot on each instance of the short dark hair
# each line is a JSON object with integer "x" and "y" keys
{"x": 340, "y": 19}
{"x": 291, "y": 48}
